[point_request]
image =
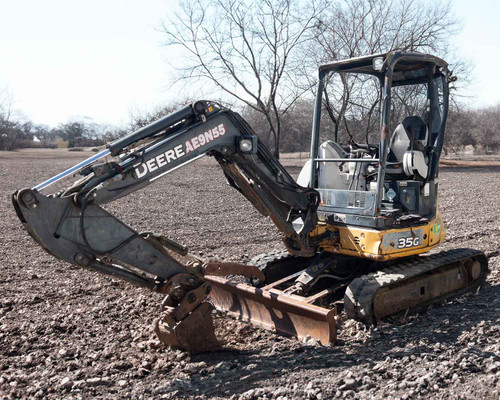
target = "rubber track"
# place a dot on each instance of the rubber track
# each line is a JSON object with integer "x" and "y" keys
{"x": 262, "y": 261}
{"x": 360, "y": 294}
{"x": 277, "y": 264}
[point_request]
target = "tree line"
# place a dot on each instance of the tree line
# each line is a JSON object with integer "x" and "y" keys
{"x": 26, "y": 134}
{"x": 478, "y": 128}
{"x": 18, "y": 131}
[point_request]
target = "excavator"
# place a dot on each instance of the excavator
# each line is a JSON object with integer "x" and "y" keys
{"x": 355, "y": 222}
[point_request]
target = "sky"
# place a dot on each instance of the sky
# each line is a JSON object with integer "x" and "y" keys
{"x": 479, "y": 42}
{"x": 104, "y": 59}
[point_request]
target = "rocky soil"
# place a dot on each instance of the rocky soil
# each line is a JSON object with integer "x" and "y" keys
{"x": 66, "y": 332}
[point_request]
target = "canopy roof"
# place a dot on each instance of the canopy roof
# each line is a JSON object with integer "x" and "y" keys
{"x": 408, "y": 67}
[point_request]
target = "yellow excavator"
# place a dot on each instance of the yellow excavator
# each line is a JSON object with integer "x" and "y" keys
{"x": 354, "y": 223}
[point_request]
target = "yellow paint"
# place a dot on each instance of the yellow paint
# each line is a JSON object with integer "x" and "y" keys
{"x": 367, "y": 243}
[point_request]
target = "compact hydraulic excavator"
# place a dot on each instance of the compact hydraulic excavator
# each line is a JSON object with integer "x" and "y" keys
{"x": 354, "y": 223}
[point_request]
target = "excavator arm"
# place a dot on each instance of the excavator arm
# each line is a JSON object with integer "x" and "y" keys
{"x": 64, "y": 213}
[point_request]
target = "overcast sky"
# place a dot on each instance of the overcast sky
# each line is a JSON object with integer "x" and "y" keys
{"x": 64, "y": 59}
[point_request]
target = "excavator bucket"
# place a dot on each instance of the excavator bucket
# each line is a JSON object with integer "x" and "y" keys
{"x": 195, "y": 333}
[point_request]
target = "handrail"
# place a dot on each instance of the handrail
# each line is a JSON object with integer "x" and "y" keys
{"x": 346, "y": 160}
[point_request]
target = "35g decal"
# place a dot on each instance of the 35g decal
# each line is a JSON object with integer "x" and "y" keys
{"x": 404, "y": 243}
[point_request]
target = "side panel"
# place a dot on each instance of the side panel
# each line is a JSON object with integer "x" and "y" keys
{"x": 384, "y": 244}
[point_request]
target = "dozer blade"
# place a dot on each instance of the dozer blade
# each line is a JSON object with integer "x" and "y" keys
{"x": 414, "y": 284}
{"x": 272, "y": 309}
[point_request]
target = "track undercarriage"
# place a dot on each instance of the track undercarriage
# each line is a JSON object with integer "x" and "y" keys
{"x": 302, "y": 297}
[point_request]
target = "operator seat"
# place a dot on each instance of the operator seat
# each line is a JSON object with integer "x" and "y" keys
{"x": 407, "y": 149}
{"x": 330, "y": 175}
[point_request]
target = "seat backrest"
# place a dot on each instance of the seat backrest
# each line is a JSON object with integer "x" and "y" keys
{"x": 410, "y": 134}
{"x": 329, "y": 174}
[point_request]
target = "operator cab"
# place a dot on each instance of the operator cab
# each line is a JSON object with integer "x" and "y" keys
{"x": 384, "y": 172}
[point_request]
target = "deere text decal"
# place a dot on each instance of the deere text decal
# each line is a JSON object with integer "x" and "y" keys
{"x": 179, "y": 151}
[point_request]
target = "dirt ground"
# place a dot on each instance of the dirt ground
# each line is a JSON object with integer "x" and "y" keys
{"x": 66, "y": 332}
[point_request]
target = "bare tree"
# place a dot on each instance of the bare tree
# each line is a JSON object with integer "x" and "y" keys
{"x": 7, "y": 125}
{"x": 6, "y": 103}
{"x": 487, "y": 128}
{"x": 459, "y": 130}
{"x": 353, "y": 28}
{"x": 139, "y": 119}
{"x": 248, "y": 49}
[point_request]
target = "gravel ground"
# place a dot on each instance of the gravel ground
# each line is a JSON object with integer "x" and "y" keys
{"x": 66, "y": 332}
